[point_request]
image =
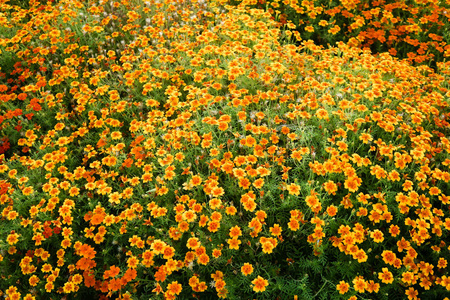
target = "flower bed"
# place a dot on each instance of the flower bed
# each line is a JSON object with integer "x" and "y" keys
{"x": 412, "y": 30}
{"x": 181, "y": 150}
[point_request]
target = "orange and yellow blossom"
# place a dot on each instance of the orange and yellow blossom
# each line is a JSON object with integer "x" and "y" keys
{"x": 259, "y": 284}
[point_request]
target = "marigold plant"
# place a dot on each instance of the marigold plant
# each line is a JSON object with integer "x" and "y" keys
{"x": 187, "y": 149}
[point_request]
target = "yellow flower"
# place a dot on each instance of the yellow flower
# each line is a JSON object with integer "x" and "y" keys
{"x": 293, "y": 189}
{"x": 12, "y": 238}
{"x": 234, "y": 243}
{"x": 247, "y": 269}
{"x": 377, "y": 236}
{"x": 359, "y": 284}
{"x": 342, "y": 287}
{"x": 259, "y": 284}
{"x": 193, "y": 243}
{"x": 386, "y": 276}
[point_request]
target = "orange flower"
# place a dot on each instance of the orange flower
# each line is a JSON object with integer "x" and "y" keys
{"x": 361, "y": 256}
{"x": 114, "y": 284}
{"x": 68, "y": 287}
{"x": 434, "y": 191}
{"x": 12, "y": 238}
{"x": 234, "y": 243}
{"x": 160, "y": 275}
{"x": 442, "y": 263}
{"x": 247, "y": 269}
{"x": 386, "y": 276}
{"x": 322, "y": 114}
{"x": 296, "y": 155}
{"x": 158, "y": 246}
{"x": 332, "y": 210}
{"x": 411, "y": 293}
{"x": 216, "y": 276}
{"x": 352, "y": 183}
{"x": 372, "y": 286}
{"x": 194, "y": 281}
{"x": 409, "y": 278}
{"x": 34, "y": 280}
{"x": 334, "y": 29}
{"x": 377, "y": 236}
{"x": 258, "y": 183}
{"x": 87, "y": 251}
{"x": 359, "y": 284}
{"x": 244, "y": 183}
{"x": 174, "y": 288}
{"x": 235, "y": 231}
{"x": 132, "y": 262}
{"x": 267, "y": 247}
{"x": 213, "y": 226}
{"x": 203, "y": 259}
{"x": 330, "y": 187}
{"x": 219, "y": 284}
{"x": 27, "y": 190}
{"x": 217, "y": 253}
{"x": 293, "y": 189}
{"x": 112, "y": 272}
{"x": 342, "y": 287}
{"x": 130, "y": 274}
{"x": 275, "y": 230}
{"x": 249, "y": 204}
{"x": 231, "y": 210}
{"x": 293, "y": 225}
{"x": 389, "y": 257}
{"x": 193, "y": 243}
{"x": 97, "y": 219}
{"x": 259, "y": 284}
{"x": 394, "y": 230}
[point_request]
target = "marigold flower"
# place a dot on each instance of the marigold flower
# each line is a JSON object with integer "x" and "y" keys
{"x": 293, "y": 189}
{"x": 216, "y": 253}
{"x": 231, "y": 210}
{"x": 234, "y": 243}
{"x": 377, "y": 236}
{"x": 235, "y": 231}
{"x": 267, "y": 247}
{"x": 361, "y": 256}
{"x": 385, "y": 276}
{"x": 193, "y": 243}
{"x": 411, "y": 293}
{"x": 33, "y": 280}
{"x": 275, "y": 230}
{"x": 293, "y": 225}
{"x": 342, "y": 287}
{"x": 332, "y": 210}
{"x": 394, "y": 230}
{"x": 359, "y": 284}
{"x": 259, "y": 284}
{"x": 389, "y": 257}
{"x": 247, "y": 269}
{"x": 114, "y": 284}
{"x": 219, "y": 284}
{"x": 330, "y": 187}
{"x": 442, "y": 263}
{"x": 174, "y": 288}
{"x": 13, "y": 238}
{"x": 213, "y": 226}
{"x": 158, "y": 246}
{"x": 203, "y": 259}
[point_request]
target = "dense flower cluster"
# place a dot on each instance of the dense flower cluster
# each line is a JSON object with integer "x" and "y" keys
{"x": 410, "y": 29}
{"x": 179, "y": 149}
